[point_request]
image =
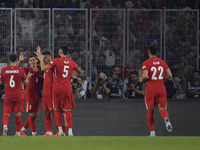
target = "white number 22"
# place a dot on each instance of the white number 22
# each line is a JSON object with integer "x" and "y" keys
{"x": 154, "y": 69}
{"x": 65, "y": 71}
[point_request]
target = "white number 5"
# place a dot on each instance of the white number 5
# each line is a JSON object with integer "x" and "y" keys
{"x": 65, "y": 71}
{"x": 155, "y": 71}
{"x": 12, "y": 82}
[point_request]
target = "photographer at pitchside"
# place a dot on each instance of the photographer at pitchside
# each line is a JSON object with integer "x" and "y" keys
{"x": 100, "y": 89}
{"x": 78, "y": 91}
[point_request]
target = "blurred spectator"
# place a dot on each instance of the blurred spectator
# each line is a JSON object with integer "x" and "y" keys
{"x": 115, "y": 83}
{"x": 93, "y": 4}
{"x": 78, "y": 91}
{"x": 101, "y": 67}
{"x": 173, "y": 89}
{"x": 100, "y": 90}
{"x": 110, "y": 55}
{"x": 137, "y": 66}
{"x": 193, "y": 86}
{"x": 70, "y": 4}
{"x": 28, "y": 24}
{"x": 154, "y": 37}
{"x": 85, "y": 84}
{"x": 38, "y": 3}
{"x": 134, "y": 88}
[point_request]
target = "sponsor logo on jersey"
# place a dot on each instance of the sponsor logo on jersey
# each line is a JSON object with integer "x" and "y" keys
{"x": 156, "y": 62}
{"x": 12, "y": 71}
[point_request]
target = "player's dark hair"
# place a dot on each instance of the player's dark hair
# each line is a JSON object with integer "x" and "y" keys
{"x": 13, "y": 57}
{"x": 32, "y": 55}
{"x": 135, "y": 72}
{"x": 46, "y": 53}
{"x": 65, "y": 49}
{"x": 196, "y": 71}
{"x": 153, "y": 49}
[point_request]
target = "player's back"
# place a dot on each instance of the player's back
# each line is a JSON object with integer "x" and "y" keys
{"x": 63, "y": 71}
{"x": 48, "y": 81}
{"x": 156, "y": 69}
{"x": 12, "y": 76}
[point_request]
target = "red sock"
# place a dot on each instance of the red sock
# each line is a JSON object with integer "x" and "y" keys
{"x": 55, "y": 121}
{"x": 164, "y": 114}
{"x": 48, "y": 123}
{"x": 18, "y": 123}
{"x": 5, "y": 119}
{"x": 57, "y": 118}
{"x": 64, "y": 128}
{"x": 32, "y": 123}
{"x": 150, "y": 120}
{"x": 69, "y": 118}
{"x": 26, "y": 125}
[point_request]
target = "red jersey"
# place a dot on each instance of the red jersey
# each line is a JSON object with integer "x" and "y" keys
{"x": 48, "y": 82}
{"x": 34, "y": 82}
{"x": 63, "y": 71}
{"x": 12, "y": 77}
{"x": 156, "y": 69}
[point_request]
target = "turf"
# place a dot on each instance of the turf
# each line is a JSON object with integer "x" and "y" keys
{"x": 99, "y": 143}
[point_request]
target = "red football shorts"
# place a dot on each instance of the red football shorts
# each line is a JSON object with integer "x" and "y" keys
{"x": 152, "y": 100}
{"x": 32, "y": 102}
{"x": 63, "y": 99}
{"x": 47, "y": 102}
{"x": 13, "y": 106}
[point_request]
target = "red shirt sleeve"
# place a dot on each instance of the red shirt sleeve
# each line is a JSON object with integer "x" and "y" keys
{"x": 75, "y": 66}
{"x": 23, "y": 75}
{"x": 53, "y": 63}
{"x": 144, "y": 66}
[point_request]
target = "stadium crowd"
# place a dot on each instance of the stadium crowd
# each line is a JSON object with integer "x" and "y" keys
{"x": 113, "y": 69}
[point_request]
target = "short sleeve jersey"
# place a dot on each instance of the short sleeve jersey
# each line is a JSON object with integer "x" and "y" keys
{"x": 12, "y": 77}
{"x": 48, "y": 81}
{"x": 156, "y": 69}
{"x": 34, "y": 82}
{"x": 63, "y": 68}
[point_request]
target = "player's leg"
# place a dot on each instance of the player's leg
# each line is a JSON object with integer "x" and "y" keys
{"x": 64, "y": 122}
{"x": 165, "y": 116}
{"x": 5, "y": 120}
{"x": 32, "y": 117}
{"x": 18, "y": 109}
{"x": 57, "y": 118}
{"x": 26, "y": 124}
{"x": 69, "y": 120}
{"x": 149, "y": 103}
{"x": 48, "y": 123}
{"x": 7, "y": 109}
{"x": 18, "y": 123}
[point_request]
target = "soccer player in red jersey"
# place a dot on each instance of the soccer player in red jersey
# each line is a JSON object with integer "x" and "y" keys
{"x": 47, "y": 98}
{"x": 153, "y": 72}
{"x": 12, "y": 76}
{"x": 31, "y": 93}
{"x": 62, "y": 90}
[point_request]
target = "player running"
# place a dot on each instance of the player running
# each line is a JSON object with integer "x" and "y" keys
{"x": 12, "y": 76}
{"x": 31, "y": 93}
{"x": 47, "y": 98}
{"x": 62, "y": 90}
{"x": 153, "y": 71}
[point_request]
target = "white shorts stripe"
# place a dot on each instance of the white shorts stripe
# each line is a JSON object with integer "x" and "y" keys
{"x": 145, "y": 103}
{"x": 27, "y": 107}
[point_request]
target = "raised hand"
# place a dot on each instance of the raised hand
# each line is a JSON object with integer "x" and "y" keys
{"x": 21, "y": 56}
{"x": 39, "y": 54}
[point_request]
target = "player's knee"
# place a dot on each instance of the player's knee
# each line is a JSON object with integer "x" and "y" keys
{"x": 151, "y": 110}
{"x": 18, "y": 113}
{"x": 67, "y": 109}
{"x": 7, "y": 114}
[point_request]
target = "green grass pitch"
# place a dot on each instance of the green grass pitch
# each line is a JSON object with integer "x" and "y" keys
{"x": 99, "y": 143}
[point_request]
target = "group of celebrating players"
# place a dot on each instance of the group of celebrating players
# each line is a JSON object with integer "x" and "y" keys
{"x": 57, "y": 97}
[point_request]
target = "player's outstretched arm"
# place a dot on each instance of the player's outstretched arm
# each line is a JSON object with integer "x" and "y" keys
{"x": 41, "y": 57}
{"x": 79, "y": 70}
{"x": 168, "y": 74}
{"x": 21, "y": 58}
{"x": 144, "y": 76}
{"x": 26, "y": 82}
